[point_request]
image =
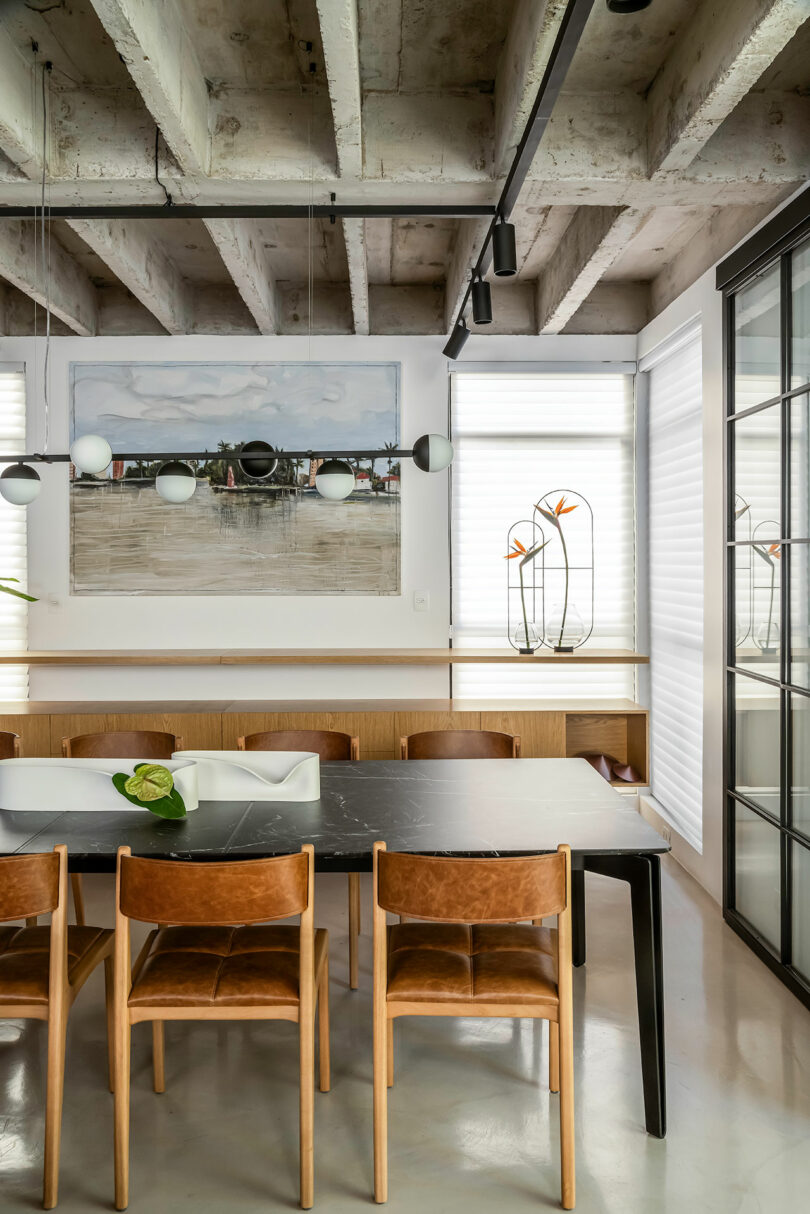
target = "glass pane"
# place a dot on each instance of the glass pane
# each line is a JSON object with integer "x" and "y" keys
{"x": 757, "y": 475}
{"x": 757, "y": 873}
{"x": 800, "y": 372}
{"x": 800, "y": 615}
{"x": 800, "y": 785}
{"x": 757, "y": 569}
{"x": 756, "y": 341}
{"x": 800, "y": 468}
{"x": 757, "y": 742}
{"x": 801, "y": 909}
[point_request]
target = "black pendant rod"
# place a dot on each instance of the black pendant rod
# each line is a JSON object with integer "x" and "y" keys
{"x": 562, "y": 54}
{"x": 253, "y": 455}
{"x": 254, "y": 211}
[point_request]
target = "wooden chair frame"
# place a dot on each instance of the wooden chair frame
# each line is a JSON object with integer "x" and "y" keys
{"x": 313, "y": 996}
{"x": 561, "y": 1030}
{"x": 403, "y": 741}
{"x": 355, "y": 911}
{"x": 15, "y": 743}
{"x": 62, "y": 993}
{"x": 76, "y": 886}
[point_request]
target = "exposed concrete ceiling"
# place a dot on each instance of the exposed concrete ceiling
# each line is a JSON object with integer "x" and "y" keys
{"x": 677, "y": 130}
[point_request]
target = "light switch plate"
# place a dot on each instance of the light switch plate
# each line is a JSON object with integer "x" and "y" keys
{"x": 421, "y": 600}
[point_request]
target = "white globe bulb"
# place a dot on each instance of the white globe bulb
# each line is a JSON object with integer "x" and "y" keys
{"x": 20, "y": 484}
{"x": 334, "y": 480}
{"x": 432, "y": 452}
{"x": 91, "y": 453}
{"x": 175, "y": 482}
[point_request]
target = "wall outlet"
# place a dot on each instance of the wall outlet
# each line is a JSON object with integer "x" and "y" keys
{"x": 421, "y": 600}
{"x": 666, "y": 833}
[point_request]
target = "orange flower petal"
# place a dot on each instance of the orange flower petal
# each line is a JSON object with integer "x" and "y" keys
{"x": 518, "y": 545}
{"x": 511, "y": 556}
{"x": 567, "y": 510}
{"x": 559, "y": 505}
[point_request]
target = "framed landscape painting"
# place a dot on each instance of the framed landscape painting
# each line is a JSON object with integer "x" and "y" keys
{"x": 236, "y": 535}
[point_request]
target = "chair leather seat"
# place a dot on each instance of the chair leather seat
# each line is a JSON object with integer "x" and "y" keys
{"x": 25, "y": 959}
{"x": 254, "y": 966}
{"x": 473, "y": 963}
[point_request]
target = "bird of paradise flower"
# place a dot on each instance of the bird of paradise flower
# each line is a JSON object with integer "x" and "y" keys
{"x": 553, "y": 514}
{"x": 770, "y": 555}
{"x": 527, "y": 555}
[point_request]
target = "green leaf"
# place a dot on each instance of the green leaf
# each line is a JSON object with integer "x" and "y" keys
{"x": 18, "y": 594}
{"x": 171, "y": 806}
{"x": 150, "y": 782}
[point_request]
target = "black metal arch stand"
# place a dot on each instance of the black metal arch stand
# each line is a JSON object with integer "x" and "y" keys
{"x": 643, "y": 874}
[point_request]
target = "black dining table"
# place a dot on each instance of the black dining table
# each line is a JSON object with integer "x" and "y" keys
{"x": 457, "y": 807}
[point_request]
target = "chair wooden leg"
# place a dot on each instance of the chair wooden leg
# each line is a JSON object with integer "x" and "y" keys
{"x": 306, "y": 1039}
{"x": 568, "y": 1183}
{"x": 553, "y": 1056}
{"x": 354, "y": 930}
{"x": 324, "y": 1069}
{"x": 108, "y": 1000}
{"x": 57, "y": 1028}
{"x": 390, "y": 1054}
{"x": 123, "y": 1033}
{"x": 380, "y": 1104}
{"x": 78, "y": 897}
{"x": 158, "y": 1056}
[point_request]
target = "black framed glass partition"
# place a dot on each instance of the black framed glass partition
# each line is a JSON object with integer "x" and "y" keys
{"x": 766, "y": 299}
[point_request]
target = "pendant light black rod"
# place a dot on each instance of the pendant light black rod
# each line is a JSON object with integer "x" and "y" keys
{"x": 568, "y": 38}
{"x": 257, "y": 211}
{"x": 134, "y": 456}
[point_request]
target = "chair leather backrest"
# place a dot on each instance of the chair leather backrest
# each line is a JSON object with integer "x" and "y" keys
{"x": 241, "y": 891}
{"x": 8, "y": 747}
{"x": 460, "y": 744}
{"x": 121, "y": 744}
{"x": 327, "y": 743}
{"x": 29, "y": 885}
{"x": 494, "y": 890}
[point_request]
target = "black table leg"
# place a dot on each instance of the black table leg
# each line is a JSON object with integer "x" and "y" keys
{"x": 643, "y": 873}
{"x": 578, "y": 915}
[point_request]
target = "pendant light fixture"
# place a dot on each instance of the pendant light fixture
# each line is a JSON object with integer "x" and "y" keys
{"x": 481, "y": 302}
{"x": 334, "y": 479}
{"x": 432, "y": 453}
{"x": 91, "y": 454}
{"x": 20, "y": 484}
{"x": 258, "y": 460}
{"x": 175, "y": 482}
{"x": 628, "y": 6}
{"x": 457, "y": 339}
{"x": 504, "y": 255}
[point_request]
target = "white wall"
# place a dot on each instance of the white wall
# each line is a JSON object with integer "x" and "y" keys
{"x": 63, "y": 621}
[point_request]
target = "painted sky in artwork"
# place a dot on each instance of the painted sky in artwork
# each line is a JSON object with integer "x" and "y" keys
{"x": 192, "y": 406}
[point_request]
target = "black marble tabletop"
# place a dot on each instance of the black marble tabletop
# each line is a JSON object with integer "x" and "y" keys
{"x": 461, "y": 807}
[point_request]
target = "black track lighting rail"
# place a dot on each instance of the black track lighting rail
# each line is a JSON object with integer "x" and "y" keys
{"x": 251, "y": 455}
{"x": 565, "y": 45}
{"x": 330, "y": 210}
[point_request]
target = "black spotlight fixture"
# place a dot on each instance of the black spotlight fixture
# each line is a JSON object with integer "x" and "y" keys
{"x": 481, "y": 302}
{"x": 627, "y": 6}
{"x": 504, "y": 257}
{"x": 456, "y": 340}
{"x": 257, "y": 460}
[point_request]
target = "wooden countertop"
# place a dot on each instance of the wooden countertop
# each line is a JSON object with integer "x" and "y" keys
{"x": 606, "y": 707}
{"x": 315, "y": 657}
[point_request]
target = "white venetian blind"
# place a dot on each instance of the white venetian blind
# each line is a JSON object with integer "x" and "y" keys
{"x": 13, "y": 562}
{"x": 518, "y": 435}
{"x": 676, "y": 581}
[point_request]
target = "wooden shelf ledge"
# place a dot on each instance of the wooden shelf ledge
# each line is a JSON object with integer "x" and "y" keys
{"x": 317, "y": 657}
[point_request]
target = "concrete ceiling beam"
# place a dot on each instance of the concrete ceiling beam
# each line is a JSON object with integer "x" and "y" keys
{"x": 153, "y": 41}
{"x": 592, "y": 242}
{"x": 20, "y": 117}
{"x": 354, "y": 234}
{"x": 521, "y": 65}
{"x": 341, "y": 51}
{"x": 240, "y": 247}
{"x": 143, "y": 267}
{"x": 71, "y": 293}
{"x": 717, "y": 60}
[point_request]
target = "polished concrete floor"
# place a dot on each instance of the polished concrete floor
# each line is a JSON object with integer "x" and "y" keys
{"x": 472, "y": 1125}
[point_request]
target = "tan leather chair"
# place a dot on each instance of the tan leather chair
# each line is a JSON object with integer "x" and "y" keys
{"x": 205, "y": 969}
{"x": 115, "y": 744}
{"x": 42, "y": 969}
{"x": 473, "y": 959}
{"x": 330, "y": 745}
{"x": 9, "y": 745}
{"x": 460, "y": 744}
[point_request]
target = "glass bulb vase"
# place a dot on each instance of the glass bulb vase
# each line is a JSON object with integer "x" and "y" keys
{"x": 564, "y": 629}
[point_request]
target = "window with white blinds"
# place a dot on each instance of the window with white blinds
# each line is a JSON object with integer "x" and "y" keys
{"x": 675, "y": 496}
{"x": 518, "y": 435}
{"x": 13, "y": 556}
